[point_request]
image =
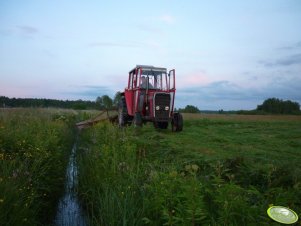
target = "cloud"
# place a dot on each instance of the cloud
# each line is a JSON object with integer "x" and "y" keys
{"x": 219, "y": 90}
{"x": 285, "y": 61}
{"x": 291, "y": 47}
{"x": 49, "y": 54}
{"x": 287, "y": 89}
{"x": 19, "y": 30}
{"x": 28, "y": 30}
{"x": 115, "y": 44}
{"x": 6, "y": 32}
{"x": 150, "y": 29}
{"x": 147, "y": 43}
{"x": 90, "y": 92}
{"x": 192, "y": 79}
{"x": 230, "y": 96}
{"x": 166, "y": 18}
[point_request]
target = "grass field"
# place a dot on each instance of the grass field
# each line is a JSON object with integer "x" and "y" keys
{"x": 221, "y": 170}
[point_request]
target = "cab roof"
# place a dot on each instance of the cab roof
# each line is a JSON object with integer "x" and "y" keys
{"x": 147, "y": 68}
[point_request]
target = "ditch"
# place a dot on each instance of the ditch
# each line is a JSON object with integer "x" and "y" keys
{"x": 69, "y": 211}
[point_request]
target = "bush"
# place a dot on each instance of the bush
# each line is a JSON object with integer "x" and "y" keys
{"x": 190, "y": 109}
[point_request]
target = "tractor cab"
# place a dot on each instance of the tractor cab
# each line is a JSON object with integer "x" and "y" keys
{"x": 149, "y": 96}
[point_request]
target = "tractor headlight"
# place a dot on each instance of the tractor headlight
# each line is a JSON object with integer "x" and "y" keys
{"x": 166, "y": 108}
{"x": 158, "y": 108}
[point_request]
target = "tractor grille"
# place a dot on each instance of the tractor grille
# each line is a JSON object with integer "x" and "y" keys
{"x": 162, "y": 100}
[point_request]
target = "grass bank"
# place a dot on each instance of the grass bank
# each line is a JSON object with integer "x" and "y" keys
{"x": 218, "y": 171}
{"x": 34, "y": 149}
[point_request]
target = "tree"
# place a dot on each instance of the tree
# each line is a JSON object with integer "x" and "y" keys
{"x": 117, "y": 98}
{"x": 107, "y": 101}
{"x": 278, "y": 106}
{"x": 99, "y": 102}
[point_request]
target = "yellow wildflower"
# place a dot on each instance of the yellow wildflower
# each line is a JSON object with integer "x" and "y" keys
{"x": 194, "y": 167}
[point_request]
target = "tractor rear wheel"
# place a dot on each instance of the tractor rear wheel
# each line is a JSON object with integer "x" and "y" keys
{"x": 122, "y": 113}
{"x": 177, "y": 122}
{"x": 161, "y": 125}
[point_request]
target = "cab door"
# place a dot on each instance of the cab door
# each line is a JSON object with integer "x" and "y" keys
{"x": 172, "y": 88}
{"x": 136, "y": 90}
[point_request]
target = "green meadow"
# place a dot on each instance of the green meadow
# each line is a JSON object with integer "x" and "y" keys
{"x": 220, "y": 170}
{"x": 223, "y": 170}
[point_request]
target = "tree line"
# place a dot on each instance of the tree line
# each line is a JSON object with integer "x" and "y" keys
{"x": 101, "y": 103}
{"x": 278, "y": 106}
{"x": 269, "y": 106}
{"x": 45, "y": 103}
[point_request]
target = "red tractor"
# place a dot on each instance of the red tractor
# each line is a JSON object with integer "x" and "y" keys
{"x": 149, "y": 97}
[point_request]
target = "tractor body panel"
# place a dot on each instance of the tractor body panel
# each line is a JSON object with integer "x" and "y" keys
{"x": 129, "y": 94}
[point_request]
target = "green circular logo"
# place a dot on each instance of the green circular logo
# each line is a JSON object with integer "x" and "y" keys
{"x": 282, "y": 214}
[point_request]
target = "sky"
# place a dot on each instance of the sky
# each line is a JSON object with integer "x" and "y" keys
{"x": 228, "y": 55}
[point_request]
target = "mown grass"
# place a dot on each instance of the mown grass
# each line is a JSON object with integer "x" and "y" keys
{"x": 215, "y": 172}
{"x": 34, "y": 149}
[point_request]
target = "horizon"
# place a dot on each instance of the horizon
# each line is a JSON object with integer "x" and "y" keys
{"x": 227, "y": 55}
{"x": 182, "y": 108}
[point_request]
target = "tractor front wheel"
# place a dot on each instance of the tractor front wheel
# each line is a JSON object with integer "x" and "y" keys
{"x": 177, "y": 122}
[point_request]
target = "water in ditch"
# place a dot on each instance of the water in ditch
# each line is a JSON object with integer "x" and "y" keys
{"x": 69, "y": 212}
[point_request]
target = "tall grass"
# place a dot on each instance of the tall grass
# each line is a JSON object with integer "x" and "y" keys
{"x": 34, "y": 148}
{"x": 110, "y": 180}
{"x": 216, "y": 172}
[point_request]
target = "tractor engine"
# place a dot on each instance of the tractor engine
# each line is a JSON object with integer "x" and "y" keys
{"x": 161, "y": 107}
